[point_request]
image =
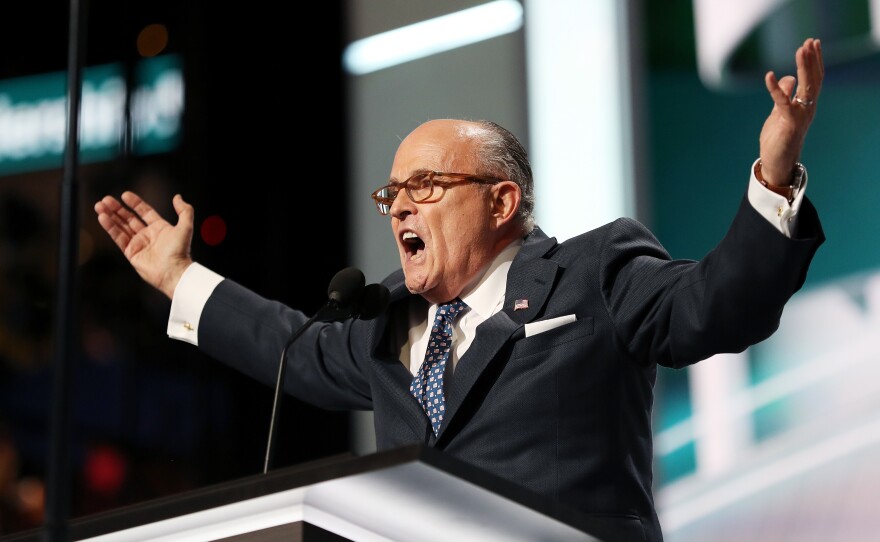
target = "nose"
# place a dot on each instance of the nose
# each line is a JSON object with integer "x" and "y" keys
{"x": 402, "y": 206}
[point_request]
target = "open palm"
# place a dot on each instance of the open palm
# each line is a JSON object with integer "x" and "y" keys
{"x": 159, "y": 251}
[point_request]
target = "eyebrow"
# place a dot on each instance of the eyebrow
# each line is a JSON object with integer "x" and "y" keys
{"x": 420, "y": 171}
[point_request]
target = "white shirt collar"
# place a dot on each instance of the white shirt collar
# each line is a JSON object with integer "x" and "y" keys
{"x": 484, "y": 300}
{"x": 487, "y": 296}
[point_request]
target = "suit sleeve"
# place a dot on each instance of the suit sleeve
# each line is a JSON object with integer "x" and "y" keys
{"x": 325, "y": 365}
{"x": 678, "y": 312}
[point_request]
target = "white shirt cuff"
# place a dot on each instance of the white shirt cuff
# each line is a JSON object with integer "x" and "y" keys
{"x": 774, "y": 207}
{"x": 192, "y": 292}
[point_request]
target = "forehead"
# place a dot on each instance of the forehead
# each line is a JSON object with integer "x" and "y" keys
{"x": 439, "y": 146}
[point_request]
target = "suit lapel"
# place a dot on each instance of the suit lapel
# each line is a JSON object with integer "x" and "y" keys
{"x": 530, "y": 280}
{"x": 492, "y": 335}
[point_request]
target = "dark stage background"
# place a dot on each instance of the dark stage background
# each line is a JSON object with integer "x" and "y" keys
{"x": 262, "y": 147}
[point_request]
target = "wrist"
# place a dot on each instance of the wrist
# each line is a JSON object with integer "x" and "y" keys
{"x": 172, "y": 278}
{"x": 795, "y": 180}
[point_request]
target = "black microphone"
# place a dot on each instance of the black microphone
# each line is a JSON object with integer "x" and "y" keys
{"x": 347, "y": 298}
{"x": 343, "y": 295}
{"x": 346, "y": 287}
{"x": 373, "y": 302}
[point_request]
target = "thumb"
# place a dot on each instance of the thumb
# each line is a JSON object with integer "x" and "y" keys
{"x": 185, "y": 212}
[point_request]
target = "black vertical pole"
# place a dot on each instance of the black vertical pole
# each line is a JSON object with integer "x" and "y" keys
{"x": 58, "y": 486}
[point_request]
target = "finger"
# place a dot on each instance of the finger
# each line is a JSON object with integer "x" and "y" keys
{"x": 780, "y": 97}
{"x": 117, "y": 230}
{"x": 787, "y": 84}
{"x": 143, "y": 209}
{"x": 811, "y": 70}
{"x": 123, "y": 214}
{"x": 818, "y": 66}
{"x": 116, "y": 210}
{"x": 807, "y": 75}
{"x": 100, "y": 207}
{"x": 107, "y": 204}
{"x": 113, "y": 216}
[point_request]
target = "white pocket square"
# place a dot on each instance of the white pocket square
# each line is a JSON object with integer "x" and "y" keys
{"x": 533, "y": 328}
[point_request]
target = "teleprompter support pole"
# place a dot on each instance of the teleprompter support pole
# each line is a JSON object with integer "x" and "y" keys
{"x": 58, "y": 483}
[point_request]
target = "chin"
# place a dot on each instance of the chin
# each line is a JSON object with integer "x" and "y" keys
{"x": 421, "y": 287}
{"x": 415, "y": 285}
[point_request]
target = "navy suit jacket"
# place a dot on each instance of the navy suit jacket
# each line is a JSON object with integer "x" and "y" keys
{"x": 565, "y": 413}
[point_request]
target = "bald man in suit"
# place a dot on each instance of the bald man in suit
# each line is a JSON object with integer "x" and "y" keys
{"x": 553, "y": 348}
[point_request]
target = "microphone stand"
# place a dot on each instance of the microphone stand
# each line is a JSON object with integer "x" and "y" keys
{"x": 349, "y": 298}
{"x": 279, "y": 385}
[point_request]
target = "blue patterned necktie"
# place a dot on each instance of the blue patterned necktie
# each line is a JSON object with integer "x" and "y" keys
{"x": 427, "y": 385}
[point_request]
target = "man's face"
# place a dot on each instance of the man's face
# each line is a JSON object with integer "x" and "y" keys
{"x": 444, "y": 245}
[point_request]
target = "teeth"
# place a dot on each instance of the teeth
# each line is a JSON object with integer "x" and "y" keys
{"x": 409, "y": 235}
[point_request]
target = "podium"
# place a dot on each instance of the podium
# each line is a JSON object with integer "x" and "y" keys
{"x": 405, "y": 494}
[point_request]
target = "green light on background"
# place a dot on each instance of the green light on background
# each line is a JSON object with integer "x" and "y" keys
{"x": 33, "y": 114}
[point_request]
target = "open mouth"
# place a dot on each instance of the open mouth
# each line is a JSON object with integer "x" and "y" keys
{"x": 413, "y": 245}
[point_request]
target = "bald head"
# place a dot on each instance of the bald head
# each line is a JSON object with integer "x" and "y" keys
{"x": 493, "y": 151}
{"x": 450, "y": 233}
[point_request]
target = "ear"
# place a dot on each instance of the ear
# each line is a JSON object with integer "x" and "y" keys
{"x": 506, "y": 197}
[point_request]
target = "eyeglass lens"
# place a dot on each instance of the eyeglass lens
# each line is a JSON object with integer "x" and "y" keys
{"x": 386, "y": 194}
{"x": 420, "y": 187}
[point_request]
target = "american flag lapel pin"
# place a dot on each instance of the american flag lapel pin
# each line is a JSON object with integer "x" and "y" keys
{"x": 521, "y": 304}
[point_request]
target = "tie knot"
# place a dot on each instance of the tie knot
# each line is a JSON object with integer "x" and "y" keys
{"x": 450, "y": 309}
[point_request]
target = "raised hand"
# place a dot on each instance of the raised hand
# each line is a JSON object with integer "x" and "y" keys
{"x": 158, "y": 251}
{"x": 782, "y": 137}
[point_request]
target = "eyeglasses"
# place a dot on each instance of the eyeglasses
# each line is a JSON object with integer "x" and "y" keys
{"x": 420, "y": 187}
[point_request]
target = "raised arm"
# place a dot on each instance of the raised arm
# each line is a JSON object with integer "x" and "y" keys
{"x": 158, "y": 251}
{"x": 794, "y": 106}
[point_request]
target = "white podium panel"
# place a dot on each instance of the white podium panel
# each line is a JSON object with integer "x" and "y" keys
{"x": 407, "y": 494}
